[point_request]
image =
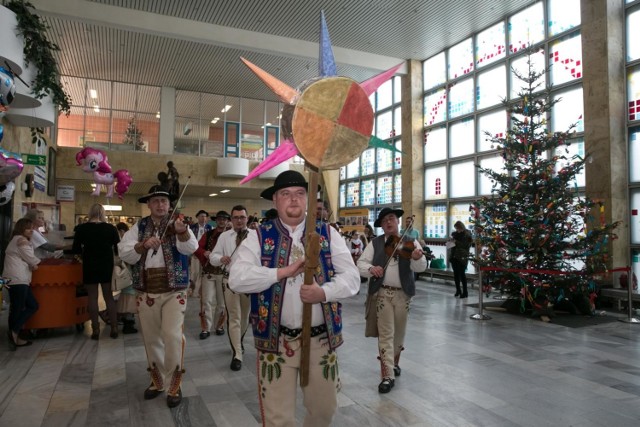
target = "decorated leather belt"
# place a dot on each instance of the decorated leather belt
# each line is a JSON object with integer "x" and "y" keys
{"x": 210, "y": 269}
{"x": 155, "y": 280}
{"x": 392, "y": 288}
{"x": 293, "y": 333}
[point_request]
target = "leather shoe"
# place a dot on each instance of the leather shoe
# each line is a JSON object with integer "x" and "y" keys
{"x": 204, "y": 335}
{"x": 151, "y": 393}
{"x": 95, "y": 335}
{"x": 386, "y": 385}
{"x": 464, "y": 295}
{"x": 220, "y": 331}
{"x": 397, "y": 371}
{"x": 173, "y": 401}
{"x": 457, "y": 294}
{"x": 236, "y": 365}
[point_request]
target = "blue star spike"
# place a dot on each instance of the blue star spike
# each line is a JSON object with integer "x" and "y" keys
{"x": 326, "y": 62}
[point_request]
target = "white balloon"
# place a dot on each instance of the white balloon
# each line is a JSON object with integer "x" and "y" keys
{"x": 6, "y": 192}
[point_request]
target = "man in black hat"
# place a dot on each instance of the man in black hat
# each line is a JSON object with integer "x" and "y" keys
{"x": 158, "y": 249}
{"x": 269, "y": 266}
{"x": 199, "y": 227}
{"x": 392, "y": 281}
{"x": 212, "y": 307}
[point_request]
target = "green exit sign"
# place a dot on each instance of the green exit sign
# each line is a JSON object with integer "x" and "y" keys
{"x": 34, "y": 159}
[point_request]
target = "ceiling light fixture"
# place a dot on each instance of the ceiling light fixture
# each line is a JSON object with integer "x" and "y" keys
{"x": 224, "y": 191}
{"x": 213, "y": 194}
{"x": 226, "y": 108}
{"x": 96, "y": 108}
{"x": 117, "y": 208}
{"x": 158, "y": 115}
{"x": 93, "y": 94}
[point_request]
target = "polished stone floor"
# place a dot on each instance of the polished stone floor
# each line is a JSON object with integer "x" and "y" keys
{"x": 507, "y": 371}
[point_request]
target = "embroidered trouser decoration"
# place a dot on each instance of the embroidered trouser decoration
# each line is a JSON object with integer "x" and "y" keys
{"x": 156, "y": 377}
{"x": 176, "y": 381}
{"x": 278, "y": 380}
{"x": 393, "y": 310}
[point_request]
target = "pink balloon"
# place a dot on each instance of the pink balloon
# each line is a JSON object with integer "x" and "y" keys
{"x": 92, "y": 160}
{"x": 124, "y": 181}
{"x": 10, "y": 168}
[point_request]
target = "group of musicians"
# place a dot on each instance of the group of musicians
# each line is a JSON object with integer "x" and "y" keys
{"x": 268, "y": 261}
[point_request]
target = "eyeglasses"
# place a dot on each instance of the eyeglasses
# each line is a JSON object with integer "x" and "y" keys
{"x": 237, "y": 218}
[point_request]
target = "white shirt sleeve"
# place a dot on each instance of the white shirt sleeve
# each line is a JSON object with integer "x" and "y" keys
{"x": 218, "y": 251}
{"x": 346, "y": 281}
{"x": 365, "y": 260}
{"x": 248, "y": 275}
{"x": 125, "y": 247}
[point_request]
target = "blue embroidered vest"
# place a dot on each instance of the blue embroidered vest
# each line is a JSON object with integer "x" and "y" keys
{"x": 266, "y": 306}
{"x": 177, "y": 264}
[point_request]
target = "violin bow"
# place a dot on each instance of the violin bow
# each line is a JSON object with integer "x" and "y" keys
{"x": 155, "y": 251}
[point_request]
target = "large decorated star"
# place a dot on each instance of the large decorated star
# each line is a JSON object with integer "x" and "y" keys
{"x": 328, "y": 119}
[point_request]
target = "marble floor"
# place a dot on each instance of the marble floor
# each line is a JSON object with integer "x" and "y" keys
{"x": 507, "y": 371}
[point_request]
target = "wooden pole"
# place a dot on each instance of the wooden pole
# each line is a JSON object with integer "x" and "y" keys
{"x": 312, "y": 260}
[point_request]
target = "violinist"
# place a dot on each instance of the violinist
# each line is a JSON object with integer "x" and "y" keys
{"x": 390, "y": 263}
{"x": 158, "y": 248}
{"x": 236, "y": 304}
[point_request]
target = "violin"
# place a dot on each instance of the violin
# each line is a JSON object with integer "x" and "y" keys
{"x": 396, "y": 246}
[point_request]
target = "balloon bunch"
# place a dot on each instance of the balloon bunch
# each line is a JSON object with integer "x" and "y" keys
{"x": 10, "y": 164}
{"x": 96, "y": 162}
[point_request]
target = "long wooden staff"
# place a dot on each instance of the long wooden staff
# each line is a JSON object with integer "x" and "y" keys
{"x": 312, "y": 260}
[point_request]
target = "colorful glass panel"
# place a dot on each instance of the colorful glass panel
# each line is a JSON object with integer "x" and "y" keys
{"x": 435, "y": 221}
{"x": 633, "y": 35}
{"x": 384, "y": 160}
{"x": 434, "y": 71}
{"x": 634, "y": 154}
{"x": 633, "y": 93}
{"x": 565, "y": 59}
{"x": 461, "y": 98}
{"x": 485, "y": 183}
{"x": 460, "y": 59}
{"x": 368, "y": 162}
{"x": 491, "y": 88}
{"x": 353, "y": 169}
{"x": 568, "y": 111}
{"x": 353, "y": 194}
{"x": 397, "y": 155}
{"x": 521, "y": 66}
{"x": 495, "y": 124}
{"x": 572, "y": 151}
{"x": 462, "y": 138}
{"x": 490, "y": 45}
{"x": 435, "y": 107}
{"x": 563, "y": 15}
{"x": 435, "y": 144}
{"x": 435, "y": 182}
{"x": 463, "y": 179}
{"x": 384, "y": 125}
{"x": 342, "y": 195}
{"x": 368, "y": 192}
{"x": 385, "y": 190}
{"x": 526, "y": 28}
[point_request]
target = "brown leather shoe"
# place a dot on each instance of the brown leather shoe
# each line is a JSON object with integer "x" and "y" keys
{"x": 151, "y": 393}
{"x": 173, "y": 401}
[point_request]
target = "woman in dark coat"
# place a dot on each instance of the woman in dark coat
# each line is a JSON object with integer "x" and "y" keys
{"x": 97, "y": 241}
{"x": 459, "y": 257}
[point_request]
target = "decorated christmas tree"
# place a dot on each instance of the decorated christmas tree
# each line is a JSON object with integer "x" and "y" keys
{"x": 544, "y": 241}
{"x": 133, "y": 135}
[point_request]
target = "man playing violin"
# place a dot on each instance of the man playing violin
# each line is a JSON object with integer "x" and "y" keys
{"x": 390, "y": 263}
{"x": 158, "y": 250}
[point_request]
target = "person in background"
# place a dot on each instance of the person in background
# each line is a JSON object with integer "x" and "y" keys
{"x": 269, "y": 266}
{"x": 160, "y": 270}
{"x": 356, "y": 245}
{"x": 19, "y": 262}
{"x": 195, "y": 273}
{"x": 252, "y": 223}
{"x": 322, "y": 212}
{"x": 127, "y": 301}
{"x": 459, "y": 257}
{"x": 393, "y": 279}
{"x": 97, "y": 241}
{"x": 369, "y": 234}
{"x": 408, "y": 231}
{"x": 41, "y": 246}
{"x": 237, "y": 304}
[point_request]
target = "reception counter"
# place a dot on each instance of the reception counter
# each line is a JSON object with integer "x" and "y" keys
{"x": 55, "y": 285}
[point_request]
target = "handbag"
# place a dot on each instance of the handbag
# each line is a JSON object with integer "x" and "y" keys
{"x": 371, "y": 316}
{"x": 121, "y": 278}
{"x": 438, "y": 263}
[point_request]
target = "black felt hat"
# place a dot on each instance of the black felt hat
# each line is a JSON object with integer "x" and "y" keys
{"x": 386, "y": 211}
{"x": 155, "y": 191}
{"x": 284, "y": 180}
{"x": 223, "y": 214}
{"x": 202, "y": 211}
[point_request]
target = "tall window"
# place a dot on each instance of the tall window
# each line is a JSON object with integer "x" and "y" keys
{"x": 373, "y": 180}
{"x": 464, "y": 86}
{"x": 633, "y": 124}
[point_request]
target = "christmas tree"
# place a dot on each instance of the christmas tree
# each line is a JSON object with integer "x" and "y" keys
{"x": 133, "y": 135}
{"x": 536, "y": 219}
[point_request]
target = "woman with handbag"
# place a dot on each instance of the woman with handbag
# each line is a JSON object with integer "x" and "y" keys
{"x": 97, "y": 241}
{"x": 459, "y": 258}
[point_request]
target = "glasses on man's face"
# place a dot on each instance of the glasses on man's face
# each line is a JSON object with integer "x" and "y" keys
{"x": 238, "y": 217}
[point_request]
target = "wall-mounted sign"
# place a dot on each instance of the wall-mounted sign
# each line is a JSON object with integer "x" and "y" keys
{"x": 65, "y": 193}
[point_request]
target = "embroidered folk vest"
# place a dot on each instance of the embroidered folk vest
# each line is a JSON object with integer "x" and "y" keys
{"x": 177, "y": 264}
{"x": 266, "y": 306}
{"x": 407, "y": 277}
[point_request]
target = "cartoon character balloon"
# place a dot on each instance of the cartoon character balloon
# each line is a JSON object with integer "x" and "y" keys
{"x": 95, "y": 161}
{"x": 7, "y": 87}
{"x": 10, "y": 168}
{"x": 6, "y": 192}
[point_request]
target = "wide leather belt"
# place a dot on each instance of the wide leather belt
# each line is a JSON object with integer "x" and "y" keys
{"x": 155, "y": 280}
{"x": 210, "y": 269}
{"x": 293, "y": 333}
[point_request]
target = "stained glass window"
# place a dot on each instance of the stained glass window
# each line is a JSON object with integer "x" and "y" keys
{"x": 496, "y": 124}
{"x": 435, "y": 221}
{"x": 460, "y": 59}
{"x": 353, "y": 169}
{"x": 368, "y": 192}
{"x": 521, "y": 66}
{"x": 491, "y": 88}
{"x": 397, "y": 185}
{"x": 343, "y": 172}
{"x": 565, "y": 59}
{"x": 385, "y": 95}
{"x": 434, "y": 71}
{"x": 463, "y": 179}
{"x": 490, "y": 45}
{"x": 633, "y": 93}
{"x": 461, "y": 97}
{"x": 384, "y": 125}
{"x": 460, "y": 212}
{"x": 568, "y": 111}
{"x": 576, "y": 148}
{"x": 368, "y": 162}
{"x": 353, "y": 194}
{"x": 384, "y": 160}
{"x": 634, "y": 154}
{"x": 435, "y": 107}
{"x": 435, "y": 144}
{"x": 485, "y": 184}
{"x": 526, "y": 28}
{"x": 397, "y": 155}
{"x": 435, "y": 182}
{"x": 633, "y": 35}
{"x": 635, "y": 222}
{"x": 461, "y": 138}
{"x": 342, "y": 195}
{"x": 385, "y": 190}
{"x": 397, "y": 121}
{"x": 563, "y": 15}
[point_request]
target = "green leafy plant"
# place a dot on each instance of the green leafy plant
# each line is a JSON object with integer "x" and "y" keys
{"x": 38, "y": 51}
